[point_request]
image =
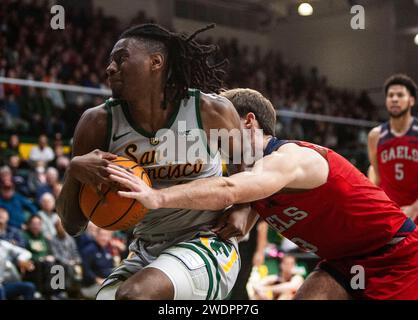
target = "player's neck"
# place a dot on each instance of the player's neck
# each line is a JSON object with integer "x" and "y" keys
{"x": 148, "y": 112}
{"x": 266, "y": 140}
{"x": 399, "y": 126}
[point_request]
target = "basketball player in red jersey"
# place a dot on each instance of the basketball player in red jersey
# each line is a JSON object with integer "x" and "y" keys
{"x": 393, "y": 146}
{"x": 315, "y": 198}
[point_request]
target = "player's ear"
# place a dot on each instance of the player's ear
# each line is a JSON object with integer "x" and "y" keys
{"x": 412, "y": 101}
{"x": 249, "y": 120}
{"x": 157, "y": 61}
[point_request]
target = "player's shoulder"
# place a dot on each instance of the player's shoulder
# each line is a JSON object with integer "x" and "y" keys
{"x": 301, "y": 154}
{"x": 97, "y": 115}
{"x": 289, "y": 150}
{"x": 218, "y": 112}
{"x": 374, "y": 133}
{"x": 289, "y": 146}
{"x": 212, "y": 102}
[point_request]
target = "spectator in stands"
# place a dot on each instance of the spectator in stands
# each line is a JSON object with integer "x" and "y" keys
{"x": 14, "y": 203}
{"x": 40, "y": 247}
{"x": 36, "y": 177}
{"x": 65, "y": 251}
{"x": 12, "y": 148}
{"x": 41, "y": 152}
{"x": 9, "y": 233}
{"x": 61, "y": 161}
{"x": 36, "y": 242}
{"x": 282, "y": 286}
{"x": 13, "y": 110}
{"x": 51, "y": 179}
{"x": 56, "y": 190}
{"x": 18, "y": 176}
{"x": 118, "y": 246}
{"x": 87, "y": 237}
{"x": 48, "y": 215}
{"x": 11, "y": 286}
{"x": 97, "y": 263}
{"x": 58, "y": 142}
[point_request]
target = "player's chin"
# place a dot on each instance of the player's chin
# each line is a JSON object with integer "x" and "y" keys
{"x": 116, "y": 93}
{"x": 395, "y": 114}
{"x": 117, "y": 89}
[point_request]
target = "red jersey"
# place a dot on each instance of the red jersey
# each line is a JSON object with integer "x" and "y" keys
{"x": 346, "y": 216}
{"x": 398, "y": 164}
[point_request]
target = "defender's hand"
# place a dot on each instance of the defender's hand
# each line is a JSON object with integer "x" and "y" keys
{"x": 233, "y": 222}
{"x": 136, "y": 188}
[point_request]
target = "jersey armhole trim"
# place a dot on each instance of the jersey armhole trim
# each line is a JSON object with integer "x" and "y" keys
{"x": 200, "y": 124}
{"x": 109, "y": 125}
{"x": 111, "y": 102}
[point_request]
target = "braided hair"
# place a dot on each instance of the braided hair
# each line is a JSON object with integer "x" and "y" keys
{"x": 187, "y": 60}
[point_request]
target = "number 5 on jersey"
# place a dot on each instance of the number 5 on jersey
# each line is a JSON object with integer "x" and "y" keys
{"x": 399, "y": 173}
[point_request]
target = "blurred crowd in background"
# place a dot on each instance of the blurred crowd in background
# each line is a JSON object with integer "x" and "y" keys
{"x": 32, "y": 237}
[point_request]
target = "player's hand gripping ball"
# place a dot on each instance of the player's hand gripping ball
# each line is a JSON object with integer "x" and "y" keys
{"x": 113, "y": 212}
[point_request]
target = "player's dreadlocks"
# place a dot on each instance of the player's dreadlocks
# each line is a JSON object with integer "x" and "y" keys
{"x": 187, "y": 66}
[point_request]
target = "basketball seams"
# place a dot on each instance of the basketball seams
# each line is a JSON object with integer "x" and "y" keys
{"x": 122, "y": 216}
{"x": 98, "y": 203}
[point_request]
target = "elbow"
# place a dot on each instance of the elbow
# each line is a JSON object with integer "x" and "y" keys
{"x": 74, "y": 232}
{"x": 73, "y": 229}
{"x": 74, "y": 224}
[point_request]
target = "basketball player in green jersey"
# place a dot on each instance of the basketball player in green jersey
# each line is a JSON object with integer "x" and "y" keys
{"x": 157, "y": 78}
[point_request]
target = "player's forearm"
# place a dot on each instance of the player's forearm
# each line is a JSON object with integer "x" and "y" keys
{"x": 203, "y": 194}
{"x": 373, "y": 175}
{"x": 68, "y": 207}
{"x": 262, "y": 230}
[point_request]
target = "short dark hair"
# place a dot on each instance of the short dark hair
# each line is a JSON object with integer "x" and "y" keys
{"x": 187, "y": 66}
{"x": 403, "y": 80}
{"x": 31, "y": 218}
{"x": 249, "y": 100}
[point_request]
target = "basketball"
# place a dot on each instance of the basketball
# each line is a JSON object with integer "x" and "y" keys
{"x": 114, "y": 212}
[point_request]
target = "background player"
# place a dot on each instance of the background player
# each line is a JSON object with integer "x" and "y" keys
{"x": 318, "y": 200}
{"x": 393, "y": 146}
{"x": 151, "y": 73}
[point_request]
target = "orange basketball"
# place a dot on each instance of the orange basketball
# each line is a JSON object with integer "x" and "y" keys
{"x": 115, "y": 212}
